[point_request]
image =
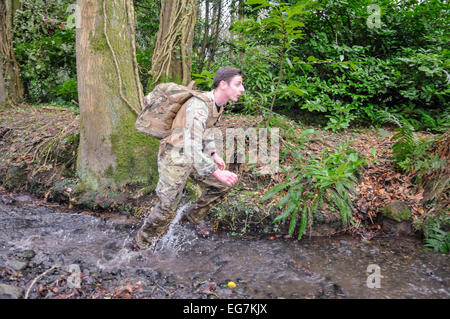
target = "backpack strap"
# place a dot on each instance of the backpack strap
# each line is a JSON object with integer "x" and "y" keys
{"x": 192, "y": 85}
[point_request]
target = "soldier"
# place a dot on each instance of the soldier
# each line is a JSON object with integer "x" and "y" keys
{"x": 190, "y": 151}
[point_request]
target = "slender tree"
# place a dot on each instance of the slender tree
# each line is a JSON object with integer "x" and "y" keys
{"x": 205, "y": 40}
{"x": 11, "y": 88}
{"x": 111, "y": 152}
{"x": 218, "y": 18}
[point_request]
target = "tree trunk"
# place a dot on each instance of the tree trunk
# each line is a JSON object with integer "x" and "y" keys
{"x": 233, "y": 17}
{"x": 216, "y": 32}
{"x": 2, "y": 86}
{"x": 111, "y": 152}
{"x": 172, "y": 57}
{"x": 202, "y": 53}
{"x": 11, "y": 88}
{"x": 240, "y": 17}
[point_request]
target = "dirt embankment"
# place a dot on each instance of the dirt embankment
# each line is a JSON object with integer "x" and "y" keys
{"x": 38, "y": 150}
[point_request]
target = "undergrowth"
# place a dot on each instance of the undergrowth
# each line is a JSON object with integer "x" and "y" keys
{"x": 316, "y": 182}
{"x": 427, "y": 164}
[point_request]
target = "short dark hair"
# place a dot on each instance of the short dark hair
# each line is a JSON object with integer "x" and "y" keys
{"x": 225, "y": 73}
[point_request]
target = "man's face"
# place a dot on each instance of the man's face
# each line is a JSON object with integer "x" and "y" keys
{"x": 234, "y": 89}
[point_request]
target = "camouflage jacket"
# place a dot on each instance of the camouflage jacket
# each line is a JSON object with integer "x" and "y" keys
{"x": 194, "y": 134}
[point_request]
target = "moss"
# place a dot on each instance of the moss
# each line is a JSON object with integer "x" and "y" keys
{"x": 109, "y": 172}
{"x": 16, "y": 177}
{"x": 136, "y": 154}
{"x": 87, "y": 199}
{"x": 397, "y": 211}
{"x": 98, "y": 43}
{"x": 4, "y": 106}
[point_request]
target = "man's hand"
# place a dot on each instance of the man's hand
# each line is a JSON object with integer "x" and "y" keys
{"x": 226, "y": 177}
{"x": 219, "y": 161}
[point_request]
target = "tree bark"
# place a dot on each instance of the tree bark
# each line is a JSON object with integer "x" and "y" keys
{"x": 111, "y": 152}
{"x": 216, "y": 32}
{"x": 2, "y": 86}
{"x": 240, "y": 17}
{"x": 172, "y": 57}
{"x": 11, "y": 88}
{"x": 202, "y": 53}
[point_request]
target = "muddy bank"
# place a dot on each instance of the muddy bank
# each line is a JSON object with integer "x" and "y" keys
{"x": 38, "y": 147}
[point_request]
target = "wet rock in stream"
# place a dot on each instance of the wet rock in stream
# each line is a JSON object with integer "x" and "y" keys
{"x": 10, "y": 292}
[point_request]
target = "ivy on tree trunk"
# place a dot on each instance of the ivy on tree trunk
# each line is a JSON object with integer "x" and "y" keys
{"x": 11, "y": 88}
{"x": 172, "y": 57}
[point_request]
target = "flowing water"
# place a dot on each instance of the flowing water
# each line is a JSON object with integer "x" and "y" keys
{"x": 261, "y": 268}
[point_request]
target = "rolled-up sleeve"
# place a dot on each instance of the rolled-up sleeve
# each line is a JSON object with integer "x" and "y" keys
{"x": 195, "y": 141}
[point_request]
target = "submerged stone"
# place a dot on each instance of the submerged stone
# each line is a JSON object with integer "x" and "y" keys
{"x": 28, "y": 254}
{"x": 10, "y": 292}
{"x": 17, "y": 264}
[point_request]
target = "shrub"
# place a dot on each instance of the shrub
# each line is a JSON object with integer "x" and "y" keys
{"x": 44, "y": 45}
{"x": 312, "y": 183}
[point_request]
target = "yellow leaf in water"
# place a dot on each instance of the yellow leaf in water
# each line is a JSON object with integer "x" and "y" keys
{"x": 231, "y": 285}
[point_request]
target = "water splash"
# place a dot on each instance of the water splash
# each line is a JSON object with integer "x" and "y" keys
{"x": 177, "y": 237}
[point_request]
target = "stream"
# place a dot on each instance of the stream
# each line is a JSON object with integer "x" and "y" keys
{"x": 182, "y": 265}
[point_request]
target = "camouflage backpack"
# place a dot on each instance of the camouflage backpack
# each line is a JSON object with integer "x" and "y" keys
{"x": 161, "y": 106}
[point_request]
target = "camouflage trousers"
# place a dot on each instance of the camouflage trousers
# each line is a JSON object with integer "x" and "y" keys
{"x": 173, "y": 176}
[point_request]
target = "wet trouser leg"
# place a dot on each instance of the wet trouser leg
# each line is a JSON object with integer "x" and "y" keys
{"x": 171, "y": 182}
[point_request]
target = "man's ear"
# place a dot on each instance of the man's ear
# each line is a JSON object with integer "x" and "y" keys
{"x": 223, "y": 84}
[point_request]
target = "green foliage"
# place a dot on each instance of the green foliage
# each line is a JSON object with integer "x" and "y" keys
{"x": 146, "y": 26}
{"x": 435, "y": 236}
{"x": 204, "y": 80}
{"x": 412, "y": 154}
{"x": 341, "y": 67}
{"x": 312, "y": 183}
{"x": 277, "y": 30}
{"x": 68, "y": 90}
{"x": 44, "y": 43}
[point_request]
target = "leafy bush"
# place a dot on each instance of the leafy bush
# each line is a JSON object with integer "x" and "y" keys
{"x": 45, "y": 48}
{"x": 343, "y": 69}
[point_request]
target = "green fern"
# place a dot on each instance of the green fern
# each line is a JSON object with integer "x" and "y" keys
{"x": 412, "y": 153}
{"x": 435, "y": 237}
{"x": 310, "y": 183}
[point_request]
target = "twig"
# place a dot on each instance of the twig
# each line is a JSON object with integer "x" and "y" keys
{"x": 163, "y": 289}
{"x": 39, "y": 277}
{"x": 52, "y": 108}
